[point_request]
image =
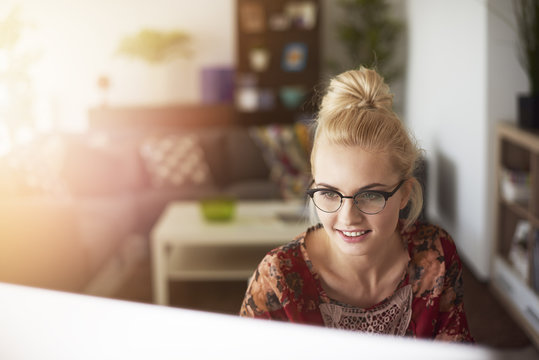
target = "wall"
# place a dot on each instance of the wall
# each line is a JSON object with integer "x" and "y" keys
{"x": 462, "y": 77}
{"x": 78, "y": 39}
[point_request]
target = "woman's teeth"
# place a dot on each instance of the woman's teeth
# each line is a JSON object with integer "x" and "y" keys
{"x": 354, "y": 233}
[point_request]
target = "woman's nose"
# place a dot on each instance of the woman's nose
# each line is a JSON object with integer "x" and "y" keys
{"x": 349, "y": 210}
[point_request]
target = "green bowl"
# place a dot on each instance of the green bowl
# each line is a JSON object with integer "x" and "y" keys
{"x": 218, "y": 209}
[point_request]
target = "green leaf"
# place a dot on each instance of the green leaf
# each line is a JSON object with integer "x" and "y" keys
{"x": 369, "y": 35}
{"x": 156, "y": 46}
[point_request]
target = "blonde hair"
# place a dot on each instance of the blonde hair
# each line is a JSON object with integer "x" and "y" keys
{"x": 357, "y": 110}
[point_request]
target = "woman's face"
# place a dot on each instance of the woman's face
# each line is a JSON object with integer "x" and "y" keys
{"x": 349, "y": 169}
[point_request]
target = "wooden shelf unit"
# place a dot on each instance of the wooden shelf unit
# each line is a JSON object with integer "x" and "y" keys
{"x": 517, "y": 150}
{"x": 275, "y": 77}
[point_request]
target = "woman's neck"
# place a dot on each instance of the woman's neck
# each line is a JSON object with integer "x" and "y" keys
{"x": 369, "y": 269}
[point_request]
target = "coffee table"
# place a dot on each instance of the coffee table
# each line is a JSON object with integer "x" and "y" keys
{"x": 185, "y": 246}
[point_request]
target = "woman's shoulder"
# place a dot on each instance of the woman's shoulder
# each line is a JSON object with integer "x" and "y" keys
{"x": 287, "y": 256}
{"x": 424, "y": 236}
{"x": 432, "y": 255}
{"x": 430, "y": 245}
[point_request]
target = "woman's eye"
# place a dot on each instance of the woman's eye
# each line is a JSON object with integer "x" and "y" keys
{"x": 329, "y": 194}
{"x": 368, "y": 196}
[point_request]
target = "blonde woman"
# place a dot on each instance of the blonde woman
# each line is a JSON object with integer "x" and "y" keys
{"x": 363, "y": 267}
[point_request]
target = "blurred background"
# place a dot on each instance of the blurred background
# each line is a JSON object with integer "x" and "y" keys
{"x": 111, "y": 110}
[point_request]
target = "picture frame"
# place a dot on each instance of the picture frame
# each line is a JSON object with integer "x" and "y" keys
{"x": 302, "y": 14}
{"x": 252, "y": 17}
{"x": 294, "y": 57}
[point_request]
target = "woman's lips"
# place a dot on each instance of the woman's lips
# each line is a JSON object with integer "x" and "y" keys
{"x": 354, "y": 236}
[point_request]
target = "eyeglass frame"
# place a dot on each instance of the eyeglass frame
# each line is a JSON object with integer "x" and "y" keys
{"x": 385, "y": 194}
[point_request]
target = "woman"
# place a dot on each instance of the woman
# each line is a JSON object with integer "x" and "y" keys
{"x": 363, "y": 267}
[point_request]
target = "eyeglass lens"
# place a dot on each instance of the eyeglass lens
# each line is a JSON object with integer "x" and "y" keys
{"x": 368, "y": 202}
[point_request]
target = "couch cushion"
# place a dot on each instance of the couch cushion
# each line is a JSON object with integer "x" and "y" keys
{"x": 245, "y": 160}
{"x": 175, "y": 160}
{"x": 33, "y": 169}
{"x": 102, "y": 224}
{"x": 101, "y": 168}
{"x": 286, "y": 150}
{"x": 233, "y": 156}
{"x": 214, "y": 145}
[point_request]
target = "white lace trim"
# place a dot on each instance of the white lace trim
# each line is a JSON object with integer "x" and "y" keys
{"x": 391, "y": 318}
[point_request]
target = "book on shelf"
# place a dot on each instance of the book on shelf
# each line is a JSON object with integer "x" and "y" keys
{"x": 518, "y": 253}
{"x": 515, "y": 186}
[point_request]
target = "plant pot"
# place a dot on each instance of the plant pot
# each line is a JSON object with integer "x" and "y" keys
{"x": 220, "y": 208}
{"x": 528, "y": 112}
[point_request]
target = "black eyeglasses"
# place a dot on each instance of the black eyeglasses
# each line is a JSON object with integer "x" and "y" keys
{"x": 369, "y": 202}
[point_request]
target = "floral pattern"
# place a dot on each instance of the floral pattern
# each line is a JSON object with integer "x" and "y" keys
{"x": 286, "y": 287}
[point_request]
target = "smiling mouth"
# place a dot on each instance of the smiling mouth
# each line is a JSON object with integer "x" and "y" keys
{"x": 355, "y": 233}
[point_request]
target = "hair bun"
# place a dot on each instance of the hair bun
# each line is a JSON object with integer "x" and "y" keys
{"x": 364, "y": 104}
{"x": 362, "y": 89}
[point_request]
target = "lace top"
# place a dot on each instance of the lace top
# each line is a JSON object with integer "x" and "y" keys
{"x": 428, "y": 303}
{"x": 390, "y": 317}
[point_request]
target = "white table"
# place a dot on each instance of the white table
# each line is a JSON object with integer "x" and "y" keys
{"x": 187, "y": 247}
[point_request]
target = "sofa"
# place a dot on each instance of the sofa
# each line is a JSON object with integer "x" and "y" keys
{"x": 69, "y": 203}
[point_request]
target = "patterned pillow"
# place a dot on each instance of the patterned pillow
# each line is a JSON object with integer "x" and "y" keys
{"x": 34, "y": 168}
{"x": 175, "y": 160}
{"x": 286, "y": 150}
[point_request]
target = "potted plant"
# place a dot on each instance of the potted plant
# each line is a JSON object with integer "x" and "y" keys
{"x": 162, "y": 66}
{"x": 370, "y": 35}
{"x": 526, "y": 13}
{"x": 154, "y": 46}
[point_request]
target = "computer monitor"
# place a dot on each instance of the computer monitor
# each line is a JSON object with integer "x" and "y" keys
{"x": 45, "y": 324}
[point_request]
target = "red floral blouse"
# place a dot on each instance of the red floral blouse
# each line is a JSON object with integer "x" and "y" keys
{"x": 286, "y": 287}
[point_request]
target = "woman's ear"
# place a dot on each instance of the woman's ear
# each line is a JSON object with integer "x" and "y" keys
{"x": 406, "y": 191}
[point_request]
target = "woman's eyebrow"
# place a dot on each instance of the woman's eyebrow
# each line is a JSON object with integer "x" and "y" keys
{"x": 370, "y": 186}
{"x": 325, "y": 186}
{"x": 366, "y": 187}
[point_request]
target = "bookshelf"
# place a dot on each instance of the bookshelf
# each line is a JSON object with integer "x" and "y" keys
{"x": 515, "y": 265}
{"x": 278, "y": 60}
